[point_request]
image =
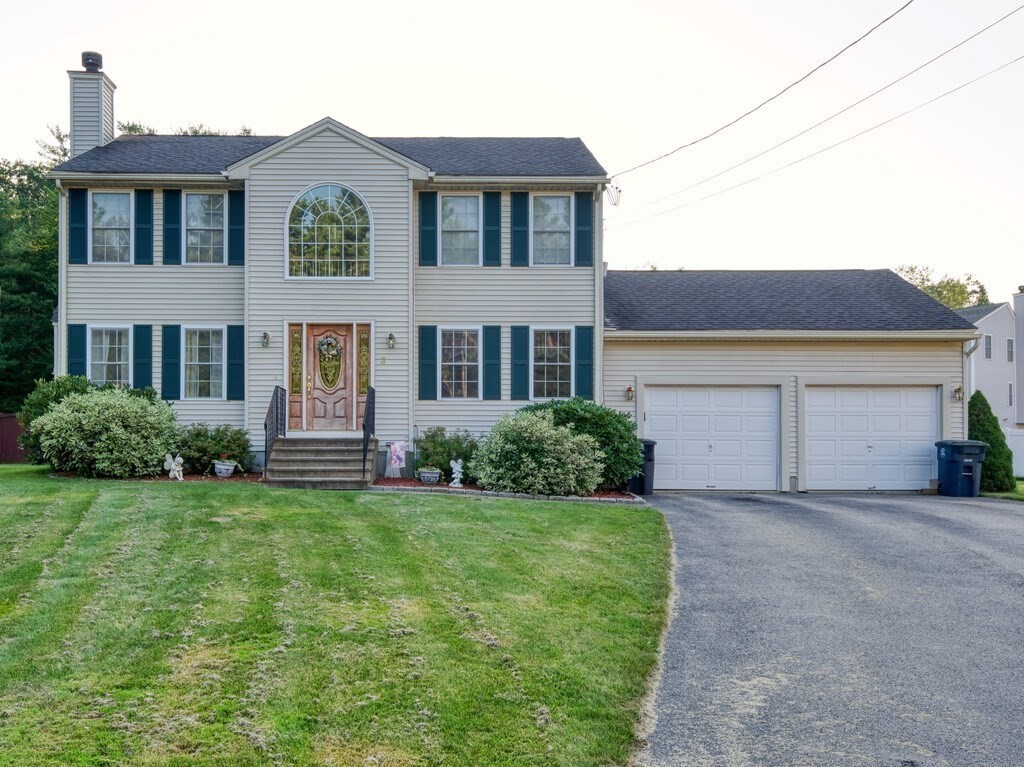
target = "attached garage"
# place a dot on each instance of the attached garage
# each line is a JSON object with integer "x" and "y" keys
{"x": 714, "y": 437}
{"x": 871, "y": 437}
{"x": 792, "y": 381}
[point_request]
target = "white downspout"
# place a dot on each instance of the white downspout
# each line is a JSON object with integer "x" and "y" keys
{"x": 59, "y": 355}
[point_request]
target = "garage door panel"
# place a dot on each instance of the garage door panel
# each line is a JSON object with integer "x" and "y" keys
{"x": 884, "y": 437}
{"x": 721, "y": 437}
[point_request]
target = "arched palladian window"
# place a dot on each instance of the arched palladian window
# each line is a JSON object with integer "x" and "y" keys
{"x": 329, "y": 234}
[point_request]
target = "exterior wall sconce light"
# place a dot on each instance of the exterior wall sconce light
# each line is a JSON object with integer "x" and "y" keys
{"x": 958, "y": 394}
{"x": 392, "y": 341}
{"x": 265, "y": 339}
{"x": 629, "y": 393}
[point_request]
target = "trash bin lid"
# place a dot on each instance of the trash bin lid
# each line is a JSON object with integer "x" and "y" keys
{"x": 960, "y": 443}
{"x": 654, "y": 442}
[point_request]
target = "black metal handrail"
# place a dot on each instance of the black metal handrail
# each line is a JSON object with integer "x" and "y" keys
{"x": 275, "y": 423}
{"x": 369, "y": 423}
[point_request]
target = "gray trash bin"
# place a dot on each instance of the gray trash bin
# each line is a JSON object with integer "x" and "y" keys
{"x": 960, "y": 465}
{"x": 643, "y": 483}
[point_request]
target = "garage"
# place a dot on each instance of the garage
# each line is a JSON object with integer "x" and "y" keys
{"x": 871, "y": 437}
{"x": 714, "y": 437}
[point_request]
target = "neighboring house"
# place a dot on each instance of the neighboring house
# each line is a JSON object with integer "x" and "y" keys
{"x": 993, "y": 365}
{"x": 461, "y": 278}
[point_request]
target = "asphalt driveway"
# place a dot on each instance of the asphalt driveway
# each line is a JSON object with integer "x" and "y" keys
{"x": 867, "y": 630}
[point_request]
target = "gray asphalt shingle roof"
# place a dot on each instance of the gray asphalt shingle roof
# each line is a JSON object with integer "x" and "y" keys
{"x": 445, "y": 156}
{"x": 976, "y": 313}
{"x": 839, "y": 300}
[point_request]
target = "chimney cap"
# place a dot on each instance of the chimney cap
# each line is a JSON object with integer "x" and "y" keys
{"x": 92, "y": 61}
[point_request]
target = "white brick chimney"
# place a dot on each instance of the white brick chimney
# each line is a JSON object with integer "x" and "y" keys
{"x": 1018, "y": 356}
{"x": 92, "y": 105}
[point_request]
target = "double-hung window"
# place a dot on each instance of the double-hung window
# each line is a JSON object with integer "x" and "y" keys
{"x": 460, "y": 230}
{"x": 988, "y": 347}
{"x": 460, "y": 363}
{"x": 109, "y": 356}
{"x": 111, "y": 227}
{"x": 551, "y": 229}
{"x": 552, "y": 363}
{"x": 204, "y": 228}
{"x": 204, "y": 363}
{"x": 1009, "y": 350}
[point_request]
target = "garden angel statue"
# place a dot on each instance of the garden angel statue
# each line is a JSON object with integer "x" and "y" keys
{"x": 174, "y": 467}
{"x": 456, "y": 464}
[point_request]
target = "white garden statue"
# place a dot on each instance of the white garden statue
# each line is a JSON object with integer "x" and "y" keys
{"x": 457, "y": 472}
{"x": 174, "y": 467}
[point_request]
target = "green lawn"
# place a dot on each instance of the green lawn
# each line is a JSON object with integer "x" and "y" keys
{"x": 230, "y": 624}
{"x": 1017, "y": 494}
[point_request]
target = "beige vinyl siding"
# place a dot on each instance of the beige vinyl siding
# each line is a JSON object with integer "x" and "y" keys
{"x": 384, "y": 301}
{"x": 993, "y": 376}
{"x": 628, "y": 363}
{"x": 87, "y": 113}
{"x": 157, "y": 295}
{"x": 490, "y": 295}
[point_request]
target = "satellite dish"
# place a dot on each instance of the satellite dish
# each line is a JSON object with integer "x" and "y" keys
{"x": 614, "y": 192}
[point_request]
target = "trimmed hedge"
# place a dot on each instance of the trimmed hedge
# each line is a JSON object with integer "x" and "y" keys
{"x": 982, "y": 424}
{"x": 614, "y": 432}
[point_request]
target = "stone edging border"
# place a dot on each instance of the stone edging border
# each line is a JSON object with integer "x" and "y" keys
{"x": 633, "y": 500}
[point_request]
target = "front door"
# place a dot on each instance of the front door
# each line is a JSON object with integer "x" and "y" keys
{"x": 329, "y": 363}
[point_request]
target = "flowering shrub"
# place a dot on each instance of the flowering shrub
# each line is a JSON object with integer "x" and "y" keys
{"x": 527, "y": 453}
{"x": 106, "y": 433}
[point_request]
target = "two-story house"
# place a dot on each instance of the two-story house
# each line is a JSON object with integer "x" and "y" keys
{"x": 993, "y": 365}
{"x": 458, "y": 279}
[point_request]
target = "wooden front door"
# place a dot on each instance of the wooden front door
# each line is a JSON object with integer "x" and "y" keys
{"x": 329, "y": 362}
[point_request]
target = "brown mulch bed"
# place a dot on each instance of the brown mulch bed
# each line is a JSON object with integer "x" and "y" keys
{"x": 403, "y": 482}
{"x": 236, "y": 477}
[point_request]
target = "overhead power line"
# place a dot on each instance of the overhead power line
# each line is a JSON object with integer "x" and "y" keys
{"x": 825, "y": 149}
{"x": 767, "y": 101}
{"x": 831, "y": 117}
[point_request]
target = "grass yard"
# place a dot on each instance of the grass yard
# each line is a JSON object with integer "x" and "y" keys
{"x": 201, "y": 623}
{"x": 1017, "y": 494}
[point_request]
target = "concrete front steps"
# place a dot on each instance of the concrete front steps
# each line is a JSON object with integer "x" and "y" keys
{"x": 317, "y": 463}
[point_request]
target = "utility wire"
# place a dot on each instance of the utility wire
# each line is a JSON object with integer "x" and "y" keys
{"x": 825, "y": 149}
{"x": 767, "y": 101}
{"x": 833, "y": 116}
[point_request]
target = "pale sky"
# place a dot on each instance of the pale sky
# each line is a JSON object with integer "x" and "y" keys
{"x": 943, "y": 187}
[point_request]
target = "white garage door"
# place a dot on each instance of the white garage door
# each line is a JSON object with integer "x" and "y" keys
{"x": 714, "y": 438}
{"x": 871, "y": 437}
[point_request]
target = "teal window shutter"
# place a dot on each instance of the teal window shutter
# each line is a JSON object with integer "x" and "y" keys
{"x": 142, "y": 356}
{"x": 428, "y": 230}
{"x": 170, "y": 372}
{"x": 236, "y": 362}
{"x": 172, "y": 229}
{"x": 76, "y": 350}
{"x": 492, "y": 228}
{"x": 584, "y": 229}
{"x": 520, "y": 362}
{"x": 492, "y": 361}
{"x": 144, "y": 226}
{"x": 78, "y": 226}
{"x": 236, "y": 228}
{"x": 583, "y": 374}
{"x": 520, "y": 229}
{"x": 428, "y": 361}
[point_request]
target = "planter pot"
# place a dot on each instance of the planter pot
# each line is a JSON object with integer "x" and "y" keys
{"x": 430, "y": 477}
{"x": 224, "y": 468}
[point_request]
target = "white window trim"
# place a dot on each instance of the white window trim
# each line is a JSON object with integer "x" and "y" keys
{"x": 480, "y": 230}
{"x": 987, "y": 342}
{"x": 369, "y": 213}
{"x": 131, "y": 349}
{"x": 131, "y": 227}
{"x": 479, "y": 329}
{"x": 572, "y": 230}
{"x": 572, "y": 361}
{"x": 184, "y": 228}
{"x": 223, "y": 367}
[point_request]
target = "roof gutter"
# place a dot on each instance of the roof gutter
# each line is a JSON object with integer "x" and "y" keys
{"x": 513, "y": 180}
{"x": 789, "y": 335}
{"x": 158, "y": 179}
